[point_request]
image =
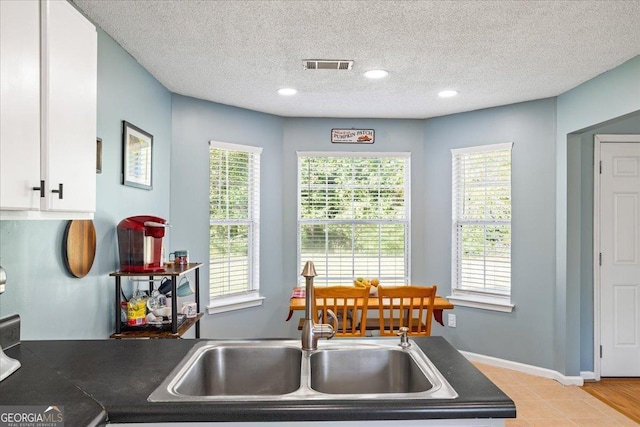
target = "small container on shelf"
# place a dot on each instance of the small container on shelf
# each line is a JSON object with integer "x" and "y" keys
{"x": 180, "y": 258}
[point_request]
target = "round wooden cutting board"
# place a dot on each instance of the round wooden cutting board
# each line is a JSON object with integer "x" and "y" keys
{"x": 80, "y": 246}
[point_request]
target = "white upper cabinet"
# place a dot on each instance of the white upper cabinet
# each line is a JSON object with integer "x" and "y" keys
{"x": 19, "y": 105}
{"x": 69, "y": 66}
{"x": 49, "y": 87}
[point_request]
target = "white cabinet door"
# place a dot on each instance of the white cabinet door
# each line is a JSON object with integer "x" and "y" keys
{"x": 69, "y": 65}
{"x": 19, "y": 105}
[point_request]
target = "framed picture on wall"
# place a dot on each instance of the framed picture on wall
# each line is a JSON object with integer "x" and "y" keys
{"x": 137, "y": 157}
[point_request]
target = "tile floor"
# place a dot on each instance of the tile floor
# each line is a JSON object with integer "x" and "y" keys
{"x": 545, "y": 402}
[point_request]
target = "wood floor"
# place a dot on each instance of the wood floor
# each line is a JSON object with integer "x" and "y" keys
{"x": 622, "y": 394}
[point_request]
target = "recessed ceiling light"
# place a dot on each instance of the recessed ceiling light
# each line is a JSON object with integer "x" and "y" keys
{"x": 447, "y": 93}
{"x": 287, "y": 91}
{"x": 376, "y": 74}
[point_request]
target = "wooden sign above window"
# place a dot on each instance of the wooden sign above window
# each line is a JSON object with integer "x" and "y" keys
{"x": 352, "y": 136}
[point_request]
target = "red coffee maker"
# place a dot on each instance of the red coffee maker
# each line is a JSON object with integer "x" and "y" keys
{"x": 140, "y": 243}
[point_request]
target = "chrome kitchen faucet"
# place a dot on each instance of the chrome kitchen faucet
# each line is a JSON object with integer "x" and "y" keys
{"x": 312, "y": 331}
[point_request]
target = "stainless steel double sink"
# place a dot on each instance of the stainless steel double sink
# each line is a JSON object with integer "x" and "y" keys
{"x": 281, "y": 370}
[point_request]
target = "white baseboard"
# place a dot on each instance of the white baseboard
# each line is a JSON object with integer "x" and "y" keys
{"x": 588, "y": 375}
{"x": 527, "y": 369}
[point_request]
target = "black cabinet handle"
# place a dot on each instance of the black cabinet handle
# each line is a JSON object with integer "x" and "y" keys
{"x": 59, "y": 191}
{"x": 40, "y": 189}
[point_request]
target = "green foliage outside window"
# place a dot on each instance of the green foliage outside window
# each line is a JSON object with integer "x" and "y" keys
{"x": 353, "y": 217}
{"x": 233, "y": 208}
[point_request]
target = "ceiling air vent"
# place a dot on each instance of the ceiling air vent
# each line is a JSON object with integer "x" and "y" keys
{"x": 327, "y": 64}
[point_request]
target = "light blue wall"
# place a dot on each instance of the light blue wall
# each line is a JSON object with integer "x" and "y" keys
{"x": 52, "y": 303}
{"x": 526, "y": 334}
{"x": 195, "y": 123}
{"x": 613, "y": 94}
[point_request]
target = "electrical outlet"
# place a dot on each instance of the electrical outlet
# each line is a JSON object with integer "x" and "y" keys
{"x": 451, "y": 320}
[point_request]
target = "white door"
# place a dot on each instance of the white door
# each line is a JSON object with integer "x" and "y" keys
{"x": 620, "y": 251}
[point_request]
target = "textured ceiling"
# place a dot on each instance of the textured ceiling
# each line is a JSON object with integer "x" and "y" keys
{"x": 493, "y": 52}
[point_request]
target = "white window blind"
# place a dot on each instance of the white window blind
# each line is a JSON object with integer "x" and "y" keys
{"x": 234, "y": 220}
{"x": 482, "y": 220}
{"x": 353, "y": 216}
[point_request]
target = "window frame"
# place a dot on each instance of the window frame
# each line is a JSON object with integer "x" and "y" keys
{"x": 407, "y": 205}
{"x": 251, "y": 297}
{"x": 475, "y": 298}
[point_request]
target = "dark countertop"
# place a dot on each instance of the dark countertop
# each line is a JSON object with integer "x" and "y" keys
{"x": 110, "y": 380}
{"x": 36, "y": 383}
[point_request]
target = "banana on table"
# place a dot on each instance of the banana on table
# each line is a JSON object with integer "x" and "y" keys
{"x": 364, "y": 283}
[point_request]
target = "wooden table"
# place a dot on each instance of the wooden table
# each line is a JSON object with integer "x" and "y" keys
{"x": 297, "y": 303}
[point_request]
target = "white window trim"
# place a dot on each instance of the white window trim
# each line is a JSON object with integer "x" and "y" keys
{"x": 251, "y": 298}
{"x": 492, "y": 302}
{"x": 375, "y": 154}
{"x": 235, "y": 147}
{"x": 483, "y": 148}
{"x": 235, "y": 302}
{"x": 485, "y": 302}
{"x": 403, "y": 154}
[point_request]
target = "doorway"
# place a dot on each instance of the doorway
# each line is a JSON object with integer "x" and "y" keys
{"x": 617, "y": 255}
